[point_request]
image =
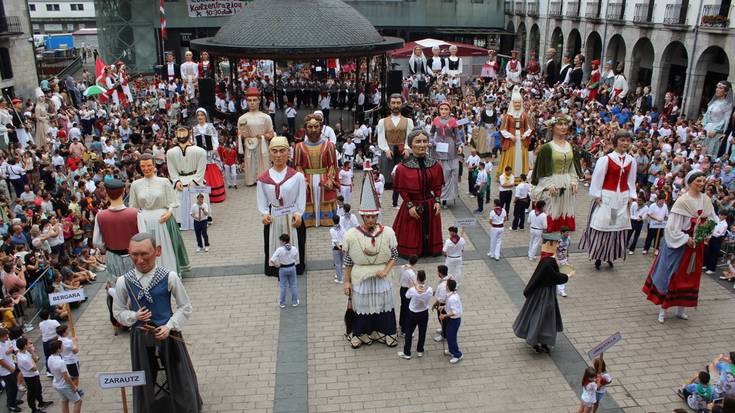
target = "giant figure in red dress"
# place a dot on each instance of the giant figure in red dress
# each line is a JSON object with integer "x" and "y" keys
{"x": 419, "y": 180}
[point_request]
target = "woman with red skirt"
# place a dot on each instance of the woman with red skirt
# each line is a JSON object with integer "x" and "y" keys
{"x": 205, "y": 136}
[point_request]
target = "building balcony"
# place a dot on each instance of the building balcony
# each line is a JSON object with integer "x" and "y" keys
{"x": 10, "y": 25}
{"x": 555, "y": 9}
{"x": 673, "y": 15}
{"x": 572, "y": 10}
{"x": 592, "y": 10}
{"x": 641, "y": 14}
{"x": 508, "y": 7}
{"x": 520, "y": 8}
{"x": 532, "y": 8}
{"x": 712, "y": 16}
{"x": 615, "y": 11}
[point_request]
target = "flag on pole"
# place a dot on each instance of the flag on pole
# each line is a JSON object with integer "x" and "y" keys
{"x": 163, "y": 20}
{"x": 100, "y": 77}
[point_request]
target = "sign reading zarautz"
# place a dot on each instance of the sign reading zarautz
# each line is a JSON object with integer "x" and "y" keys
{"x": 214, "y": 8}
{"x": 114, "y": 380}
{"x": 68, "y": 296}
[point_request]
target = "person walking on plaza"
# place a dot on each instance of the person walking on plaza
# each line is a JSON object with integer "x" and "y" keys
{"x": 562, "y": 258}
{"x": 345, "y": 182}
{"x": 63, "y": 383}
{"x": 537, "y": 221}
{"x": 7, "y": 372}
{"x": 539, "y": 320}
{"x": 453, "y": 318}
{"x": 453, "y": 250}
{"x": 482, "y": 187}
{"x": 712, "y": 250}
{"x": 48, "y": 334}
{"x": 521, "y": 202}
{"x": 27, "y": 359}
{"x": 228, "y": 155}
{"x": 638, "y": 212}
{"x": 658, "y": 213}
{"x": 406, "y": 279}
{"x": 506, "y": 182}
{"x": 285, "y": 259}
{"x": 69, "y": 351}
{"x": 417, "y": 315}
{"x": 200, "y": 213}
{"x": 440, "y": 294}
{"x": 337, "y": 234}
{"x": 497, "y": 223}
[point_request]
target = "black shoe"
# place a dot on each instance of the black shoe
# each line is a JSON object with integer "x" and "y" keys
{"x": 545, "y": 348}
{"x": 14, "y": 409}
{"x": 45, "y": 404}
{"x": 597, "y": 264}
{"x": 610, "y": 264}
{"x": 538, "y": 349}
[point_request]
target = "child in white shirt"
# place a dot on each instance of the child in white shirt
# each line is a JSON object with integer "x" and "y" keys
{"x": 497, "y": 220}
{"x": 345, "y": 182}
{"x": 338, "y": 239}
{"x": 407, "y": 279}
{"x": 538, "y": 222}
{"x": 286, "y": 257}
{"x": 453, "y": 318}
{"x": 453, "y": 250}
{"x": 348, "y": 219}
{"x": 418, "y": 315}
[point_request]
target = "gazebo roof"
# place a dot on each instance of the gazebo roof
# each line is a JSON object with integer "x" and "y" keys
{"x": 297, "y": 29}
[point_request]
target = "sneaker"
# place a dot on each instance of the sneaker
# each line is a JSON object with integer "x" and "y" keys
{"x": 438, "y": 338}
{"x": 48, "y": 374}
{"x": 336, "y": 281}
{"x": 682, "y": 316}
{"x": 296, "y": 304}
{"x": 455, "y": 360}
{"x": 661, "y": 317}
{"x": 403, "y": 356}
{"x": 709, "y": 272}
{"x": 531, "y": 258}
{"x": 419, "y": 354}
{"x": 282, "y": 305}
{"x": 198, "y": 249}
{"x": 722, "y": 277}
{"x": 206, "y": 249}
{"x": 447, "y": 353}
{"x": 497, "y": 258}
{"x": 489, "y": 254}
{"x": 630, "y": 252}
{"x": 563, "y": 293}
{"x": 645, "y": 252}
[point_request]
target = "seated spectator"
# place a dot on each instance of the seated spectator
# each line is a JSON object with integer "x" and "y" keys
{"x": 723, "y": 366}
{"x": 698, "y": 393}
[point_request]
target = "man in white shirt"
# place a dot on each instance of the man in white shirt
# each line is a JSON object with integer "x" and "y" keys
{"x": 497, "y": 221}
{"x": 26, "y": 358}
{"x": 48, "y": 334}
{"x": 658, "y": 212}
{"x": 200, "y": 213}
{"x": 712, "y": 250}
{"x": 291, "y": 114}
{"x": 537, "y": 220}
{"x": 472, "y": 162}
{"x": 348, "y": 150}
{"x": 345, "y": 182}
{"x": 452, "y": 251}
{"x": 7, "y": 371}
{"x": 285, "y": 258}
{"x": 505, "y": 191}
{"x": 522, "y": 201}
{"x": 638, "y": 212}
{"x": 482, "y": 187}
{"x": 327, "y": 131}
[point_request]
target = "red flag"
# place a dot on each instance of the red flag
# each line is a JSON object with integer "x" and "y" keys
{"x": 164, "y": 32}
{"x": 99, "y": 68}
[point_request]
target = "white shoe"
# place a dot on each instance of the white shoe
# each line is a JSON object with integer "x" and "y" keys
{"x": 489, "y": 254}
{"x": 336, "y": 280}
{"x": 630, "y": 253}
{"x": 206, "y": 249}
{"x": 447, "y": 353}
{"x": 563, "y": 293}
{"x": 282, "y": 305}
{"x": 661, "y": 316}
{"x": 531, "y": 258}
{"x": 419, "y": 354}
{"x": 403, "y": 356}
{"x": 296, "y": 304}
{"x": 455, "y": 360}
{"x": 682, "y": 315}
{"x": 438, "y": 339}
{"x": 199, "y": 249}
{"x": 644, "y": 252}
{"x": 709, "y": 272}
{"x": 438, "y": 330}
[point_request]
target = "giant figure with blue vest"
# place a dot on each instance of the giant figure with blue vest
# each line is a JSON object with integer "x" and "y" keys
{"x": 143, "y": 302}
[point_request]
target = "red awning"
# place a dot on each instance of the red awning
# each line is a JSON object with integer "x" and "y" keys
{"x": 463, "y": 49}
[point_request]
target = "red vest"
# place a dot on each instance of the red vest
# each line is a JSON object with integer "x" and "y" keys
{"x": 117, "y": 226}
{"x": 616, "y": 175}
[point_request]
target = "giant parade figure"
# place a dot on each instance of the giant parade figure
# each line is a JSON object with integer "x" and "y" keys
{"x": 392, "y": 132}
{"x": 206, "y": 136}
{"x": 187, "y": 165}
{"x": 516, "y": 134}
{"x": 447, "y": 144}
{"x": 419, "y": 180}
{"x": 316, "y": 158}
{"x": 255, "y": 129}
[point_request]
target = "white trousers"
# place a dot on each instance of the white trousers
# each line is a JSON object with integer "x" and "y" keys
{"x": 230, "y": 175}
{"x": 337, "y": 261}
{"x": 346, "y": 192}
{"x": 534, "y": 243}
{"x": 561, "y": 288}
{"x": 496, "y": 236}
{"x": 455, "y": 267}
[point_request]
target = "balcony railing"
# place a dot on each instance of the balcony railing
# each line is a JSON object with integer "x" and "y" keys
{"x": 711, "y": 16}
{"x": 532, "y": 8}
{"x": 593, "y": 10}
{"x": 572, "y": 9}
{"x": 615, "y": 11}
{"x": 10, "y": 25}
{"x": 555, "y": 9}
{"x": 508, "y": 7}
{"x": 673, "y": 15}
{"x": 520, "y": 9}
{"x": 641, "y": 13}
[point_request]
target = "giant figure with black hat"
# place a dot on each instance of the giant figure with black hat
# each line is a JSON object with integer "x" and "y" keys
{"x": 281, "y": 200}
{"x": 254, "y": 129}
{"x": 370, "y": 252}
{"x": 142, "y": 301}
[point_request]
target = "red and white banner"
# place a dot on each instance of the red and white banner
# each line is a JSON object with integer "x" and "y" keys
{"x": 214, "y": 8}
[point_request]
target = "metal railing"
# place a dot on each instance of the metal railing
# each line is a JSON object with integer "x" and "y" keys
{"x": 10, "y": 25}
{"x": 572, "y": 9}
{"x": 672, "y": 14}
{"x": 641, "y": 13}
{"x": 532, "y": 8}
{"x": 711, "y": 16}
{"x": 520, "y": 8}
{"x": 555, "y": 9}
{"x": 508, "y": 7}
{"x": 615, "y": 11}
{"x": 592, "y": 11}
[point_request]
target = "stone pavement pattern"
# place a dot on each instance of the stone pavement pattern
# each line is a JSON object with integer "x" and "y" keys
{"x": 233, "y": 336}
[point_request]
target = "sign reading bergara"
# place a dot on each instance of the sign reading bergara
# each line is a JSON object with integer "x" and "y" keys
{"x": 68, "y": 296}
{"x": 214, "y": 8}
{"x": 114, "y": 380}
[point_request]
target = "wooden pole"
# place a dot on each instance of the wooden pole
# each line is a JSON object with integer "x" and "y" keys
{"x": 124, "y": 399}
{"x": 70, "y": 320}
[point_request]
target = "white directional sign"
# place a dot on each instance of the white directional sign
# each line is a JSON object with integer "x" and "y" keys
{"x": 604, "y": 345}
{"x": 465, "y": 222}
{"x": 68, "y": 296}
{"x": 115, "y": 380}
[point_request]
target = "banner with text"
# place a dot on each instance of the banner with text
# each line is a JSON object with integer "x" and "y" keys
{"x": 214, "y": 8}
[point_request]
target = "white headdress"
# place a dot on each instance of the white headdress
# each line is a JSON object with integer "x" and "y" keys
{"x": 515, "y": 96}
{"x": 204, "y": 111}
